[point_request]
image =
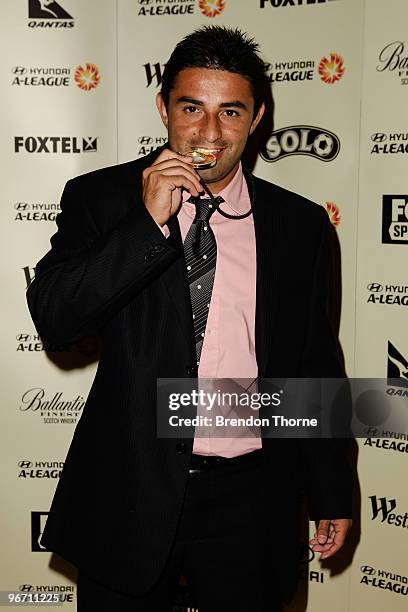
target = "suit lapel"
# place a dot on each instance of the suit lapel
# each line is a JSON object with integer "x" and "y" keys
{"x": 175, "y": 280}
{"x": 268, "y": 236}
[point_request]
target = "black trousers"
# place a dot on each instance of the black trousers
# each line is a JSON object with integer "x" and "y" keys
{"x": 222, "y": 547}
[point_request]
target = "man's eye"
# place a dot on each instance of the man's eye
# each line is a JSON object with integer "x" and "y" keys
{"x": 190, "y": 109}
{"x": 231, "y": 113}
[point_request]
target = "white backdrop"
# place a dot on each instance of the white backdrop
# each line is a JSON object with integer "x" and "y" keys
{"x": 79, "y": 81}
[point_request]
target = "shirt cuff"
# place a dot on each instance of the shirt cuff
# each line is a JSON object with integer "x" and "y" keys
{"x": 164, "y": 229}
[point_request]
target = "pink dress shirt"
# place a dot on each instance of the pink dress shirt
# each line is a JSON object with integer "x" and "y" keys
{"x": 228, "y": 349}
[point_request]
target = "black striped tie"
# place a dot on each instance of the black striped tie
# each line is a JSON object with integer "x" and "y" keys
{"x": 200, "y": 251}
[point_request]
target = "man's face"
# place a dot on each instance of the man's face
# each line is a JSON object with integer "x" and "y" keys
{"x": 210, "y": 109}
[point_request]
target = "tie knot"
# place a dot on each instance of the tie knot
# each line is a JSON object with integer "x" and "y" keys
{"x": 204, "y": 207}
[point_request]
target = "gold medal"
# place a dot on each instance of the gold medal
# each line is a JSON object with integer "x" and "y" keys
{"x": 202, "y": 159}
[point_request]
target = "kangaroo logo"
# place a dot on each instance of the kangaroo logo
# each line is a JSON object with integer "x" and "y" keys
{"x": 46, "y": 9}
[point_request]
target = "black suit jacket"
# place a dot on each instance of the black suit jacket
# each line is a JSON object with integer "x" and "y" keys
{"x": 111, "y": 271}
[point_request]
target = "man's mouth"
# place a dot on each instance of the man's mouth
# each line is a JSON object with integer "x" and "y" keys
{"x": 215, "y": 151}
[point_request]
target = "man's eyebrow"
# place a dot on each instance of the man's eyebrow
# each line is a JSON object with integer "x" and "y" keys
{"x": 189, "y": 100}
{"x": 233, "y": 103}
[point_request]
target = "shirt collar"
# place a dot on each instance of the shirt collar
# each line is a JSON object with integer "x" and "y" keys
{"x": 235, "y": 195}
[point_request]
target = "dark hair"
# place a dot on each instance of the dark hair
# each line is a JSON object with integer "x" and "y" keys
{"x": 218, "y": 48}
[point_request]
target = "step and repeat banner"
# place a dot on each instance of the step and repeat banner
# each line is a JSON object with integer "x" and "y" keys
{"x": 79, "y": 81}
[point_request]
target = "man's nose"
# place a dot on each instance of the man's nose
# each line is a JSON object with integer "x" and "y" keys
{"x": 210, "y": 129}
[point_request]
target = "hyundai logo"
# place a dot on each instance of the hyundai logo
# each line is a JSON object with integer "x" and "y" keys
{"x": 375, "y": 287}
{"x": 145, "y": 140}
{"x": 372, "y": 431}
{"x": 23, "y": 337}
{"x": 21, "y": 205}
{"x": 378, "y": 137}
{"x": 367, "y": 569}
{"x": 19, "y": 70}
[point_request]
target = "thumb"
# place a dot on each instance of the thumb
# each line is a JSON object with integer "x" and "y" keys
{"x": 323, "y": 531}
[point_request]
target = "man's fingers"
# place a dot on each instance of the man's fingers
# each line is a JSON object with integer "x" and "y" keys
{"x": 323, "y": 547}
{"x": 172, "y": 163}
{"x": 169, "y": 154}
{"x": 332, "y": 550}
{"x": 330, "y": 537}
{"x": 334, "y": 540}
{"x": 163, "y": 182}
{"x": 180, "y": 171}
{"x": 323, "y": 531}
{"x": 154, "y": 173}
{"x": 315, "y": 541}
{"x": 171, "y": 180}
{"x": 316, "y": 547}
{"x": 180, "y": 181}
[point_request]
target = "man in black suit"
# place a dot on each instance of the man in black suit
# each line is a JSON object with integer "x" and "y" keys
{"x": 152, "y": 509}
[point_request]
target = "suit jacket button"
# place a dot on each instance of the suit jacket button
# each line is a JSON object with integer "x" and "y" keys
{"x": 150, "y": 254}
{"x": 181, "y": 448}
{"x": 192, "y": 370}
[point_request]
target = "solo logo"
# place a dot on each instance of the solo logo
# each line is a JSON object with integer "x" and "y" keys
{"x": 301, "y": 140}
{"x": 55, "y": 144}
{"x": 395, "y": 219}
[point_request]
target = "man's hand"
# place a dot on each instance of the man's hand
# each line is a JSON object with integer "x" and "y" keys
{"x": 330, "y": 536}
{"x": 163, "y": 182}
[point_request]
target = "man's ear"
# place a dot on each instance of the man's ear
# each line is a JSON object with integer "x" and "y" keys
{"x": 161, "y": 107}
{"x": 257, "y": 118}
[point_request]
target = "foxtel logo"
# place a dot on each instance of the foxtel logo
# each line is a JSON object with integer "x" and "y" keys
{"x": 55, "y": 144}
